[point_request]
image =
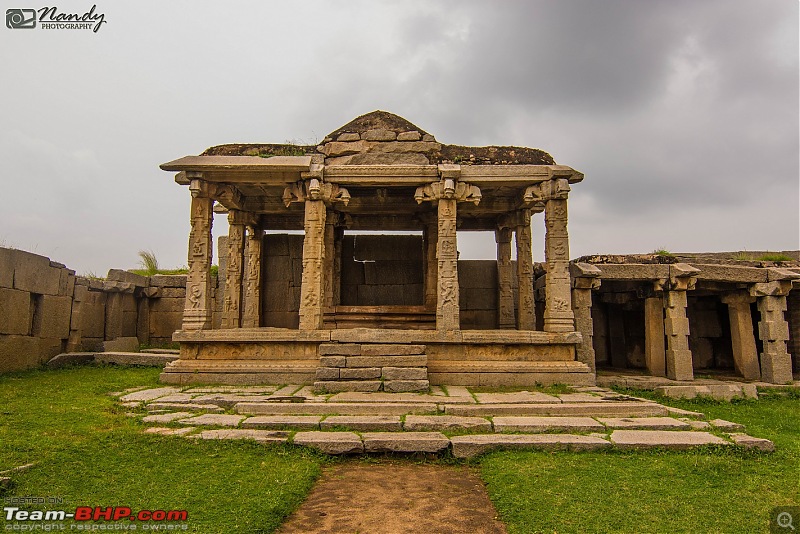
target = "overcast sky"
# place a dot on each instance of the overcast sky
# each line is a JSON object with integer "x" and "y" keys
{"x": 683, "y": 115}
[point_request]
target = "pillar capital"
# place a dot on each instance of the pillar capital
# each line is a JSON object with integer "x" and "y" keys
{"x": 448, "y": 189}
{"x": 778, "y": 288}
{"x": 737, "y": 298}
{"x": 682, "y": 277}
{"x": 584, "y": 276}
{"x": 315, "y": 189}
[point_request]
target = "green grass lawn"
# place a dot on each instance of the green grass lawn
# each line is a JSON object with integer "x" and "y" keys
{"x": 640, "y": 492}
{"x": 90, "y": 454}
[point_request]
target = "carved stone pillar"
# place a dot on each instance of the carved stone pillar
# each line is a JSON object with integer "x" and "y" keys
{"x": 232, "y": 301}
{"x": 743, "y": 340}
{"x": 654, "y": 350}
{"x": 558, "y": 315}
{"x": 682, "y": 278}
{"x": 585, "y": 279}
{"x": 251, "y": 317}
{"x": 328, "y": 279}
{"x": 447, "y": 193}
{"x": 447, "y": 306}
{"x": 526, "y": 311}
{"x": 776, "y": 363}
{"x": 430, "y": 235}
{"x": 198, "y": 309}
{"x": 505, "y": 291}
{"x": 337, "y": 265}
{"x": 312, "y": 287}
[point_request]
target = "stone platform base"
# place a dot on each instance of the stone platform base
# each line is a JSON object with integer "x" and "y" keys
{"x": 466, "y": 357}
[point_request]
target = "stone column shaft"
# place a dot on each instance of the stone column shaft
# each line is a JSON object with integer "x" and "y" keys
{"x": 198, "y": 309}
{"x": 776, "y": 363}
{"x": 447, "y": 304}
{"x": 582, "y": 308}
{"x": 558, "y": 316}
{"x": 743, "y": 340}
{"x": 328, "y": 264}
{"x": 431, "y": 266}
{"x": 654, "y": 350}
{"x": 312, "y": 288}
{"x": 232, "y": 301}
{"x": 251, "y": 317}
{"x": 505, "y": 291}
{"x": 526, "y": 311}
{"x": 337, "y": 266}
{"x": 676, "y": 328}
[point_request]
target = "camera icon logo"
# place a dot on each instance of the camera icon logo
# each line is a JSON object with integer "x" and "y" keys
{"x": 20, "y": 18}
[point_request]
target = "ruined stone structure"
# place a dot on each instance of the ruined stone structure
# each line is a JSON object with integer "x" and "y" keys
{"x": 335, "y": 328}
{"x": 670, "y": 318}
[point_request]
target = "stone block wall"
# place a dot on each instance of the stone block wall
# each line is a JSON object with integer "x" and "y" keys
{"x": 478, "y": 294}
{"x": 35, "y": 308}
{"x": 283, "y": 269}
{"x": 45, "y": 309}
{"x": 382, "y": 270}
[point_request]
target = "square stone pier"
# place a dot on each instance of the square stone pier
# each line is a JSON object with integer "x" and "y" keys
{"x": 304, "y": 296}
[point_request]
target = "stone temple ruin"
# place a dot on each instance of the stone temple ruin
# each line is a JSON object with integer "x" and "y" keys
{"x": 382, "y": 311}
{"x": 303, "y": 295}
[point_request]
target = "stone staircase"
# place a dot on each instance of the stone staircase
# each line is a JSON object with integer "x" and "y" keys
{"x": 453, "y": 419}
{"x": 393, "y": 367}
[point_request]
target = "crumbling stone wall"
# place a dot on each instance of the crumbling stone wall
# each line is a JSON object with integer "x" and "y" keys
{"x": 35, "y": 308}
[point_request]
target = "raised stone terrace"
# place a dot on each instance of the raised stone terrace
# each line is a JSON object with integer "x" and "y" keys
{"x": 459, "y": 420}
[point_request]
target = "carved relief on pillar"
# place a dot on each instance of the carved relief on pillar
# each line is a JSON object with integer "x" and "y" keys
{"x": 506, "y": 317}
{"x": 312, "y": 289}
{"x": 526, "y": 311}
{"x": 251, "y": 317}
{"x": 232, "y": 303}
{"x": 447, "y": 308}
{"x": 558, "y": 315}
{"x": 198, "y": 309}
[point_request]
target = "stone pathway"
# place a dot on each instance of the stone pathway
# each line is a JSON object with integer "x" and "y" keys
{"x": 396, "y": 498}
{"x": 455, "y": 419}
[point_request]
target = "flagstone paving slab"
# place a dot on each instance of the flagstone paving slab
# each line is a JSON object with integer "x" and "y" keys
{"x": 644, "y": 423}
{"x": 727, "y": 426}
{"x": 751, "y": 442}
{"x": 648, "y": 439}
{"x": 212, "y": 419}
{"x": 184, "y": 406}
{"x": 356, "y": 396}
{"x": 579, "y": 397}
{"x": 166, "y": 417}
{"x": 473, "y": 445}
{"x": 546, "y": 424}
{"x": 149, "y": 394}
{"x": 585, "y": 409}
{"x": 167, "y": 431}
{"x": 338, "y": 408}
{"x": 297, "y": 422}
{"x": 404, "y": 442}
{"x": 517, "y": 397}
{"x": 330, "y": 442}
{"x": 262, "y": 436}
{"x": 363, "y": 423}
{"x": 421, "y": 423}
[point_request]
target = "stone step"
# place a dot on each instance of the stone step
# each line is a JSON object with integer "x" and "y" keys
{"x": 610, "y": 408}
{"x": 336, "y": 408}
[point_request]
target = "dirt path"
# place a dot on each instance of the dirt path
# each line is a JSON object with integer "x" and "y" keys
{"x": 396, "y": 497}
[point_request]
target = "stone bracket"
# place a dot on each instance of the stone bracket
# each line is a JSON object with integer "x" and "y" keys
{"x": 682, "y": 277}
{"x": 315, "y": 189}
{"x": 771, "y": 289}
{"x": 448, "y": 189}
{"x": 536, "y": 195}
{"x": 585, "y": 276}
